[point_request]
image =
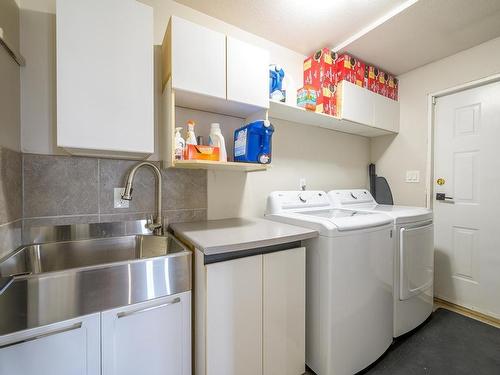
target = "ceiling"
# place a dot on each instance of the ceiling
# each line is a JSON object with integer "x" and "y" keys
{"x": 396, "y": 35}
{"x": 428, "y": 31}
{"x": 299, "y": 25}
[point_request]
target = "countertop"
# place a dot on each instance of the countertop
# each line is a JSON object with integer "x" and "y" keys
{"x": 237, "y": 234}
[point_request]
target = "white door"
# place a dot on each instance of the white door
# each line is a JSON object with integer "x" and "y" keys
{"x": 467, "y": 172}
{"x": 234, "y": 317}
{"x": 70, "y": 347}
{"x": 247, "y": 73}
{"x": 151, "y": 338}
{"x": 284, "y": 310}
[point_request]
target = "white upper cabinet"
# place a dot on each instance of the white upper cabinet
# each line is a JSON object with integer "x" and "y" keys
{"x": 213, "y": 72}
{"x": 105, "y": 77}
{"x": 359, "y": 105}
{"x": 247, "y": 73}
{"x": 198, "y": 58}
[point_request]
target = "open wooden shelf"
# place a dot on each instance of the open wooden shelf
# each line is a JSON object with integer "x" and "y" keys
{"x": 299, "y": 115}
{"x": 218, "y": 165}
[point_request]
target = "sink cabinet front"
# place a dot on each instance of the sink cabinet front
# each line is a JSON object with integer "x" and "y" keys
{"x": 70, "y": 347}
{"x": 151, "y": 338}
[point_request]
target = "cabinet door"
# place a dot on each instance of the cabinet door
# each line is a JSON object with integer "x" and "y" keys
{"x": 151, "y": 338}
{"x": 234, "y": 317}
{"x": 198, "y": 59}
{"x": 385, "y": 113}
{"x": 247, "y": 73}
{"x": 355, "y": 103}
{"x": 70, "y": 347}
{"x": 105, "y": 77}
{"x": 284, "y": 312}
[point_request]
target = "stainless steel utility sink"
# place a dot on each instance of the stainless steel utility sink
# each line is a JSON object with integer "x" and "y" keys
{"x": 59, "y": 256}
{"x": 75, "y": 270}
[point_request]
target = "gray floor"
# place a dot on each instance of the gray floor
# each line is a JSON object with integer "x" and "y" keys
{"x": 448, "y": 343}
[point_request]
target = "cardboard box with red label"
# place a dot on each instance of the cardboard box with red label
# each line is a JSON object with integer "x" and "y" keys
{"x": 351, "y": 69}
{"x": 392, "y": 88}
{"x": 318, "y": 68}
{"x": 325, "y": 101}
{"x": 326, "y": 69}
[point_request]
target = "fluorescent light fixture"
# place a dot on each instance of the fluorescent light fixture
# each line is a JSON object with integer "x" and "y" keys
{"x": 374, "y": 24}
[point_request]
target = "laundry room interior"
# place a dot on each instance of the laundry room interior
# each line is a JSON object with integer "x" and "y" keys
{"x": 229, "y": 187}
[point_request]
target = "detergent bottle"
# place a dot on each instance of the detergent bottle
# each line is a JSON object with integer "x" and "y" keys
{"x": 180, "y": 144}
{"x": 191, "y": 137}
{"x": 216, "y": 139}
{"x": 252, "y": 142}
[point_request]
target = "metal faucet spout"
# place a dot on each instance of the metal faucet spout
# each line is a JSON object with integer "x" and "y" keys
{"x": 156, "y": 224}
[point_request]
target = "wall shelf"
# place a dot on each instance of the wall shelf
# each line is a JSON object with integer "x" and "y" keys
{"x": 217, "y": 165}
{"x": 299, "y": 115}
{"x": 361, "y": 112}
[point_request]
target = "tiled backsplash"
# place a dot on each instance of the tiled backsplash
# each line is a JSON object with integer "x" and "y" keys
{"x": 10, "y": 199}
{"x": 55, "y": 190}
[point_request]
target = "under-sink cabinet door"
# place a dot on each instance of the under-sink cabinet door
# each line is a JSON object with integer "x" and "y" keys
{"x": 151, "y": 338}
{"x": 284, "y": 311}
{"x": 234, "y": 317}
{"x": 69, "y": 347}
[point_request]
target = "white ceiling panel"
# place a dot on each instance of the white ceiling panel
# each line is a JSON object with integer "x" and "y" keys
{"x": 300, "y": 25}
{"x": 428, "y": 31}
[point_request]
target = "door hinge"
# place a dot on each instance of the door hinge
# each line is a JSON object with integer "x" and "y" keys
{"x": 391, "y": 233}
{"x": 433, "y": 100}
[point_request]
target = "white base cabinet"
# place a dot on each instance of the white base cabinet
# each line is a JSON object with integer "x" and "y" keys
{"x": 234, "y": 317}
{"x": 250, "y": 315}
{"x": 70, "y": 347}
{"x": 284, "y": 312}
{"x": 151, "y": 338}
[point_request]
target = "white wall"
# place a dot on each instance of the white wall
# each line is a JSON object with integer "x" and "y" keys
{"x": 9, "y": 78}
{"x": 394, "y": 155}
{"x": 326, "y": 159}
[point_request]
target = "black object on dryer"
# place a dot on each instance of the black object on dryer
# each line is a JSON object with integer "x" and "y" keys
{"x": 379, "y": 187}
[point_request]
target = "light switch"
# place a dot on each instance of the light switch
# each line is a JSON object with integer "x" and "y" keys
{"x": 118, "y": 201}
{"x": 412, "y": 176}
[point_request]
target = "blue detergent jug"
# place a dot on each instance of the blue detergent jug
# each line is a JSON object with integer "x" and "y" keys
{"x": 252, "y": 142}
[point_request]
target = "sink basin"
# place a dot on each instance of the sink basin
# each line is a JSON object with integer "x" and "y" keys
{"x": 54, "y": 279}
{"x": 59, "y": 256}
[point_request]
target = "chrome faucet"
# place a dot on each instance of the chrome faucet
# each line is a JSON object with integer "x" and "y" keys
{"x": 155, "y": 224}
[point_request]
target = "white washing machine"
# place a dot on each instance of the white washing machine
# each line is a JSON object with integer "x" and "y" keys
{"x": 349, "y": 275}
{"x": 413, "y": 255}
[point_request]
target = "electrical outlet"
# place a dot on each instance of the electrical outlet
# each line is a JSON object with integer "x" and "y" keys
{"x": 412, "y": 176}
{"x": 302, "y": 184}
{"x": 119, "y": 202}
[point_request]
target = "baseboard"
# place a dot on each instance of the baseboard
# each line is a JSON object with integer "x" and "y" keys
{"x": 438, "y": 302}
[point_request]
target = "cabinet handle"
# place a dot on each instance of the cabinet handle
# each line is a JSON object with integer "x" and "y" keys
{"x": 42, "y": 335}
{"x": 124, "y": 314}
